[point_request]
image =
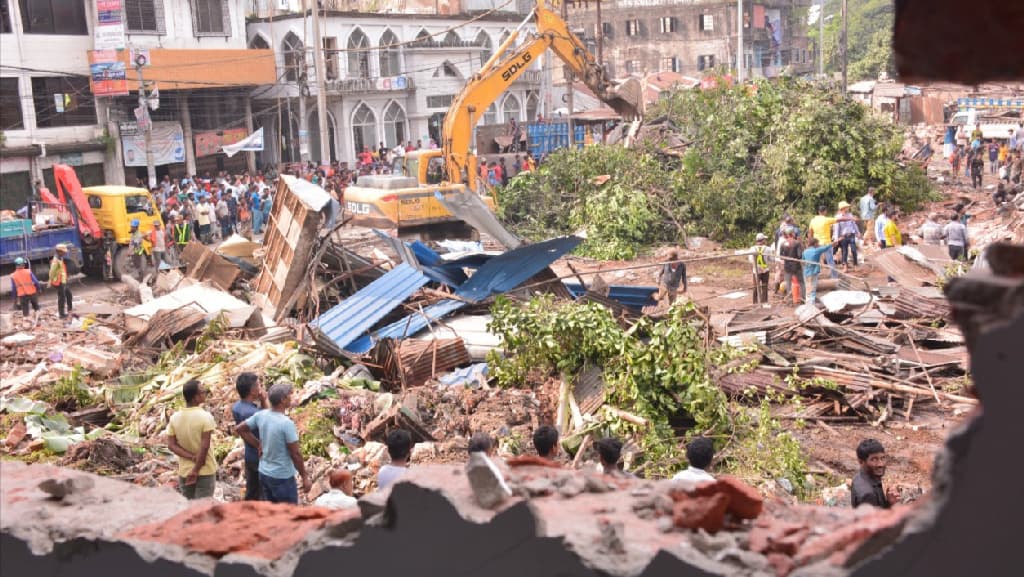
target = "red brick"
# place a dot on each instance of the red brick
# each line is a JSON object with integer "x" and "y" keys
{"x": 532, "y": 461}
{"x": 744, "y": 501}
{"x": 706, "y": 513}
{"x": 253, "y": 528}
{"x": 770, "y": 533}
{"x": 17, "y": 433}
{"x": 847, "y": 539}
{"x": 789, "y": 544}
{"x": 780, "y": 563}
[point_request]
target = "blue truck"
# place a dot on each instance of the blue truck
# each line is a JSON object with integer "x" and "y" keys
{"x": 17, "y": 239}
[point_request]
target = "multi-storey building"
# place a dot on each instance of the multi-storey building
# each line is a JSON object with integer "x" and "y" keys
{"x": 390, "y": 76}
{"x": 70, "y": 87}
{"x": 695, "y": 37}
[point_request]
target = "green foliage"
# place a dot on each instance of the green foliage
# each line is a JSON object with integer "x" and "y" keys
{"x": 765, "y": 451}
{"x": 869, "y": 48}
{"x": 552, "y": 337}
{"x": 755, "y": 152}
{"x": 69, "y": 393}
{"x": 213, "y": 331}
{"x": 563, "y": 195}
{"x": 319, "y": 429}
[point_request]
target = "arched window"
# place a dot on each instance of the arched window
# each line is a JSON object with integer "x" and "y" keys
{"x": 358, "y": 55}
{"x": 423, "y": 37}
{"x": 364, "y": 128}
{"x": 532, "y": 104}
{"x": 389, "y": 57}
{"x": 483, "y": 40}
{"x": 491, "y": 116}
{"x": 294, "y": 57}
{"x": 447, "y": 70}
{"x": 511, "y": 108}
{"x": 259, "y": 42}
{"x": 394, "y": 125}
{"x": 452, "y": 39}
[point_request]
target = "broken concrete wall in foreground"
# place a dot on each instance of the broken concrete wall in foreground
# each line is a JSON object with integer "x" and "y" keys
{"x": 55, "y": 521}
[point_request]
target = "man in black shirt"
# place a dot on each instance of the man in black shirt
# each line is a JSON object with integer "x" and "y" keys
{"x": 867, "y": 484}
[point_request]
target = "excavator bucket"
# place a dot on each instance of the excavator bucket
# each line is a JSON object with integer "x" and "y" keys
{"x": 627, "y": 99}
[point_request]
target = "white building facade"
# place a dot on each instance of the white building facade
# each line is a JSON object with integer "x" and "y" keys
{"x": 390, "y": 78}
{"x": 52, "y": 113}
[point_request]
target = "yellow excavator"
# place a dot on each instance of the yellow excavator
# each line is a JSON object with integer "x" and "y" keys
{"x": 410, "y": 203}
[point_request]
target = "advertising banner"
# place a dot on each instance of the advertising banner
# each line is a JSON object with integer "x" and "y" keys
{"x": 108, "y": 75}
{"x": 208, "y": 143}
{"x": 167, "y": 141}
{"x": 109, "y": 30}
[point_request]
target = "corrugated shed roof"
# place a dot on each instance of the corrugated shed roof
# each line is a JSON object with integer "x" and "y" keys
{"x": 311, "y": 195}
{"x": 636, "y": 297}
{"x": 507, "y": 271}
{"x": 407, "y": 326}
{"x": 355, "y": 315}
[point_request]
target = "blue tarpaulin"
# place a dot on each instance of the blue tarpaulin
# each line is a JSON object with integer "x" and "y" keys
{"x": 634, "y": 297}
{"x": 355, "y": 315}
{"x": 511, "y": 269}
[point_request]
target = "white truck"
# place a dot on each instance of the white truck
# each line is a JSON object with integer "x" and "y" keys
{"x": 999, "y": 127}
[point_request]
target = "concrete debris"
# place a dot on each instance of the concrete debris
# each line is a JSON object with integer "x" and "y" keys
{"x": 59, "y": 489}
{"x": 488, "y": 484}
{"x": 207, "y": 300}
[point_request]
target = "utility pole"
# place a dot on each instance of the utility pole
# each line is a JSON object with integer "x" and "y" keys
{"x": 821, "y": 38}
{"x": 145, "y": 119}
{"x": 739, "y": 41}
{"x": 569, "y": 78}
{"x": 843, "y": 48}
{"x": 321, "y": 96}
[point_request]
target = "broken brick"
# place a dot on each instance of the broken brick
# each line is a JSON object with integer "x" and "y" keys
{"x": 706, "y": 512}
{"x": 532, "y": 461}
{"x": 846, "y": 539}
{"x": 781, "y": 564}
{"x": 745, "y": 502}
{"x": 252, "y": 528}
{"x": 15, "y": 436}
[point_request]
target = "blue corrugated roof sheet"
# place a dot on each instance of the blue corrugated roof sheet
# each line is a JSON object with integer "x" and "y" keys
{"x": 511, "y": 269}
{"x": 407, "y": 326}
{"x": 635, "y": 297}
{"x": 355, "y": 315}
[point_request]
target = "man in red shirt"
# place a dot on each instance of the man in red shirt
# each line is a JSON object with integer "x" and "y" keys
{"x": 365, "y": 157}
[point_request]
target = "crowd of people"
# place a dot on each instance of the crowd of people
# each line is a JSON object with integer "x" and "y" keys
{"x": 969, "y": 152}
{"x": 273, "y": 458}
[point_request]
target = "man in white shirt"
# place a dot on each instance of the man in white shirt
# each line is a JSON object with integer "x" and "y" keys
{"x": 699, "y": 454}
{"x": 399, "y": 444}
{"x": 340, "y": 495}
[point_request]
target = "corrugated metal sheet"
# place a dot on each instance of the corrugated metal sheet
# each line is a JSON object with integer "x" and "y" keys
{"x": 407, "y": 326}
{"x": 634, "y": 297}
{"x": 507, "y": 271}
{"x": 310, "y": 195}
{"x": 355, "y": 315}
{"x": 470, "y": 208}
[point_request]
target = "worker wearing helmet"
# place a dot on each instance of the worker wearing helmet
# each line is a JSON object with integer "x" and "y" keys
{"x": 25, "y": 288}
{"x": 59, "y": 280}
{"x": 138, "y": 250}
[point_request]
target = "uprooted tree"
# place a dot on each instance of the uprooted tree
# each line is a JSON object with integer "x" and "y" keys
{"x": 660, "y": 372}
{"x": 754, "y": 152}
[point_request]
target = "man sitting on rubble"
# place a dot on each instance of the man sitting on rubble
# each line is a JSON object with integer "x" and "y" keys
{"x": 699, "y": 453}
{"x": 399, "y": 444}
{"x": 609, "y": 450}
{"x": 867, "y": 483}
{"x": 545, "y": 440}
{"x": 189, "y": 434}
{"x": 340, "y": 495}
{"x": 278, "y": 445}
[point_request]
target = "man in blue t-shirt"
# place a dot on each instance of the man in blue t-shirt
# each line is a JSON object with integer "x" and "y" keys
{"x": 278, "y": 447}
{"x": 812, "y": 266}
{"x": 251, "y": 399}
